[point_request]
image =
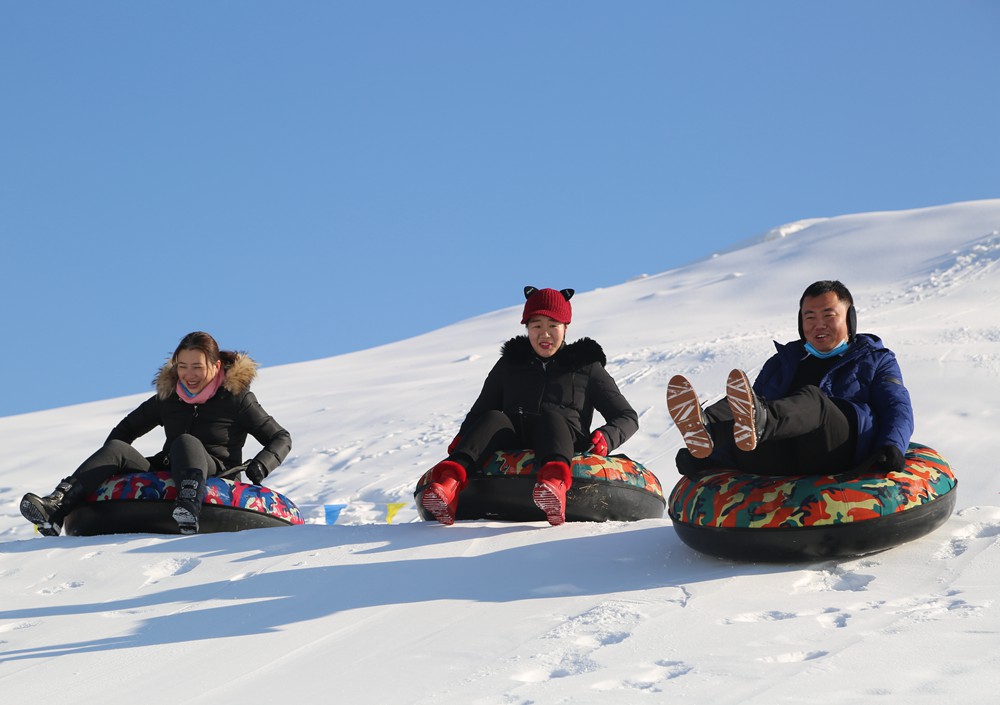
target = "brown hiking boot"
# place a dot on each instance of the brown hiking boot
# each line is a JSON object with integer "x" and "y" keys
{"x": 749, "y": 414}
{"x": 684, "y": 409}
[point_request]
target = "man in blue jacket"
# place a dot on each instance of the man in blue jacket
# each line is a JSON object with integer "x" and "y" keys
{"x": 830, "y": 402}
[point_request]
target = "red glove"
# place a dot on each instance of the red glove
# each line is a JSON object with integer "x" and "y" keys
{"x": 454, "y": 442}
{"x": 600, "y": 444}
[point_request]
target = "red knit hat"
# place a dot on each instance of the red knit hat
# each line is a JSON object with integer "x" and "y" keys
{"x": 547, "y": 302}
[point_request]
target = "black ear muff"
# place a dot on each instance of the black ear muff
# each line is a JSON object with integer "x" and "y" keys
{"x": 528, "y": 291}
{"x": 567, "y": 293}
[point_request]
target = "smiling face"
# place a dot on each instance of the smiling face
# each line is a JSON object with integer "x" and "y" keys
{"x": 824, "y": 321}
{"x": 546, "y": 335}
{"x": 194, "y": 370}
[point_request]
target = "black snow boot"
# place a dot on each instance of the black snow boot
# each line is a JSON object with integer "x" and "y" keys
{"x": 188, "y": 504}
{"x": 47, "y": 513}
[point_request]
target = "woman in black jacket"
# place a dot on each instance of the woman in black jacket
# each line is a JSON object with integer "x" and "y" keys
{"x": 541, "y": 394}
{"x": 204, "y": 403}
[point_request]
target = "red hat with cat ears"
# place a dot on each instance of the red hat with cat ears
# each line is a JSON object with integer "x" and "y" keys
{"x": 547, "y": 302}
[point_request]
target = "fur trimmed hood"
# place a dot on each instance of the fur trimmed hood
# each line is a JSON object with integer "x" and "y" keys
{"x": 239, "y": 374}
{"x": 575, "y": 355}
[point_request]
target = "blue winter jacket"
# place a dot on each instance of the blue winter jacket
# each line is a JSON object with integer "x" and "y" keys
{"x": 867, "y": 376}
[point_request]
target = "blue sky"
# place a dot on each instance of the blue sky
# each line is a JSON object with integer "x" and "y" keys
{"x": 304, "y": 179}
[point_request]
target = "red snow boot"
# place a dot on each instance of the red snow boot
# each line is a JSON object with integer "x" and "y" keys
{"x": 441, "y": 496}
{"x": 549, "y": 494}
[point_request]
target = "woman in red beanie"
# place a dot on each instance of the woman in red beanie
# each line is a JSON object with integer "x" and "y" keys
{"x": 541, "y": 394}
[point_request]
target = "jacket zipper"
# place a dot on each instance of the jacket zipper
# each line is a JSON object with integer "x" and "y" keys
{"x": 194, "y": 415}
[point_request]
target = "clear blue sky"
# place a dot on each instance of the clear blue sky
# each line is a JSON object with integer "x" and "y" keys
{"x": 304, "y": 179}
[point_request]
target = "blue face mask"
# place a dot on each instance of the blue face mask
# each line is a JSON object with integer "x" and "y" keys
{"x": 839, "y": 350}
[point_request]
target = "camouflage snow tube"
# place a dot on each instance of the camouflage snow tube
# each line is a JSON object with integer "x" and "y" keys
{"x": 142, "y": 503}
{"x": 612, "y": 488}
{"x": 769, "y": 518}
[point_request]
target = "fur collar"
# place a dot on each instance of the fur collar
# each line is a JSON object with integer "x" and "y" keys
{"x": 239, "y": 374}
{"x": 575, "y": 355}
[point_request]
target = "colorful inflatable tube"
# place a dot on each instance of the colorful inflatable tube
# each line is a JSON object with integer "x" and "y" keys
{"x": 613, "y": 488}
{"x": 769, "y": 518}
{"x": 142, "y": 503}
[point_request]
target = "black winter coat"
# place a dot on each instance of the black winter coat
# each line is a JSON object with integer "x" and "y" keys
{"x": 222, "y": 423}
{"x": 573, "y": 382}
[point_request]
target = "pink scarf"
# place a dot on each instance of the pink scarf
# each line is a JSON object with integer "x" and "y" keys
{"x": 205, "y": 394}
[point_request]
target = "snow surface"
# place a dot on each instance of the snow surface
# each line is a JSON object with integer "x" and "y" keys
{"x": 487, "y": 613}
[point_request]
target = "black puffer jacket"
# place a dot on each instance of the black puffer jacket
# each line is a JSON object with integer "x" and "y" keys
{"x": 573, "y": 382}
{"x": 222, "y": 423}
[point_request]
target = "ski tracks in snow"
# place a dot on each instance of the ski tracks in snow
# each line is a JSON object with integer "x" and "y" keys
{"x": 962, "y": 266}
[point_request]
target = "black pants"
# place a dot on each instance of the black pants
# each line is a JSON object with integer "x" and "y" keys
{"x": 806, "y": 433}
{"x": 548, "y": 434}
{"x": 187, "y": 454}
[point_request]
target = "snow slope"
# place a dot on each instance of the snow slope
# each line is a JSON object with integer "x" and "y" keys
{"x": 509, "y": 614}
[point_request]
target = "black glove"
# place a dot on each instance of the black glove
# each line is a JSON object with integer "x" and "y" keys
{"x": 255, "y": 471}
{"x": 889, "y": 459}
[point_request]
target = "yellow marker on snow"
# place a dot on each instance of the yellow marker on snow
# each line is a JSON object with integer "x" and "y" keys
{"x": 392, "y": 509}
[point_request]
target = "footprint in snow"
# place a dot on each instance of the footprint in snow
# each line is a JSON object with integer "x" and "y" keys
{"x": 988, "y": 531}
{"x": 794, "y": 657}
{"x": 930, "y": 608}
{"x": 567, "y": 649}
{"x": 14, "y": 626}
{"x": 68, "y": 585}
{"x": 169, "y": 567}
{"x": 547, "y": 667}
{"x": 963, "y": 538}
{"x": 649, "y": 678}
{"x": 833, "y": 579}
{"x": 750, "y": 617}
{"x": 833, "y": 618}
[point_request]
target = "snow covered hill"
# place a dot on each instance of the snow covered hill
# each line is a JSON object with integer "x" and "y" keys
{"x": 501, "y": 614}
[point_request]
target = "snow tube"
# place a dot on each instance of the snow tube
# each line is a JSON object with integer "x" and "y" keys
{"x": 142, "y": 502}
{"x": 768, "y": 518}
{"x": 612, "y": 488}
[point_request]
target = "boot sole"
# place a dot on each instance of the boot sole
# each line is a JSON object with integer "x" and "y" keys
{"x": 684, "y": 409}
{"x": 34, "y": 514}
{"x": 739, "y": 395}
{"x": 549, "y": 502}
{"x": 186, "y": 521}
{"x": 437, "y": 507}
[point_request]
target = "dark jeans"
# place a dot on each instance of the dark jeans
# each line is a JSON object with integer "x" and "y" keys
{"x": 547, "y": 433}
{"x": 188, "y": 459}
{"x": 806, "y": 433}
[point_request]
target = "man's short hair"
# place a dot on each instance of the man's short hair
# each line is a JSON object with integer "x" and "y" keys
{"x": 825, "y": 286}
